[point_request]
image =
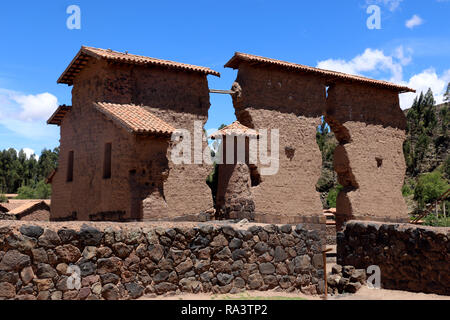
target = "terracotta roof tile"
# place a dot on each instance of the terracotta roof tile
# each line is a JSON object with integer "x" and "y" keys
{"x": 135, "y": 119}
{"x": 331, "y": 75}
{"x": 87, "y": 53}
{"x": 58, "y": 116}
{"x": 16, "y": 207}
{"x": 236, "y": 128}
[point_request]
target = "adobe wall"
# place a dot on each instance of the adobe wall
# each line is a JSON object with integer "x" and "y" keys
{"x": 138, "y": 168}
{"x": 173, "y": 191}
{"x": 412, "y": 258}
{"x": 270, "y": 98}
{"x": 126, "y": 261}
{"x": 234, "y": 199}
{"x": 179, "y": 98}
{"x": 369, "y": 161}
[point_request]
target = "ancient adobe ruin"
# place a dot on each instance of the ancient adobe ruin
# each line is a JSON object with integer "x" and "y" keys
{"x": 115, "y": 141}
{"x": 363, "y": 113}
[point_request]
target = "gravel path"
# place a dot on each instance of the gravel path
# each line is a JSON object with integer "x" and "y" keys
{"x": 363, "y": 294}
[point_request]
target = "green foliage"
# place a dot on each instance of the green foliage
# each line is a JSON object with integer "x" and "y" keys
{"x": 26, "y": 192}
{"x": 17, "y": 171}
{"x": 407, "y": 190}
{"x": 446, "y": 167}
{"x": 447, "y": 94}
{"x": 422, "y": 129}
{"x": 3, "y": 198}
{"x": 326, "y": 180}
{"x": 212, "y": 181}
{"x": 332, "y": 196}
{"x": 41, "y": 190}
{"x": 436, "y": 221}
{"x": 429, "y": 187}
{"x": 326, "y": 144}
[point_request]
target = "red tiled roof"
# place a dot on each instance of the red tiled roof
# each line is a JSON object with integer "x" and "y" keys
{"x": 59, "y": 115}
{"x": 16, "y": 207}
{"x": 87, "y": 53}
{"x": 331, "y": 75}
{"x": 236, "y": 128}
{"x": 135, "y": 119}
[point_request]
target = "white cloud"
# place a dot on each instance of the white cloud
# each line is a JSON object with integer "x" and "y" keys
{"x": 414, "y": 21}
{"x": 36, "y": 107}
{"x": 373, "y": 63}
{"x": 25, "y": 114}
{"x": 372, "y": 60}
{"x": 29, "y": 152}
{"x": 421, "y": 82}
{"x": 391, "y": 4}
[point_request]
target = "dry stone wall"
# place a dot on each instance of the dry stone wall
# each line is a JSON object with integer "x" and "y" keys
{"x": 126, "y": 261}
{"x": 412, "y": 258}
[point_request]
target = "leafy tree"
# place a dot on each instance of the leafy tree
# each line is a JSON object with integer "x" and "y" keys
{"x": 16, "y": 170}
{"x": 429, "y": 188}
{"x": 446, "y": 168}
{"x": 421, "y": 128}
{"x": 26, "y": 192}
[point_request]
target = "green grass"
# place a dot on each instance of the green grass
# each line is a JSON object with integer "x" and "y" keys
{"x": 432, "y": 220}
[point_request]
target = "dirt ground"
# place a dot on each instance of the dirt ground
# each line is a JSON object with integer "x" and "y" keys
{"x": 363, "y": 294}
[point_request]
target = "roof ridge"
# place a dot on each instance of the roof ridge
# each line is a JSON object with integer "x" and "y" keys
{"x": 344, "y": 76}
{"x": 27, "y": 205}
{"x": 235, "y": 128}
{"x": 140, "y": 120}
{"x": 78, "y": 62}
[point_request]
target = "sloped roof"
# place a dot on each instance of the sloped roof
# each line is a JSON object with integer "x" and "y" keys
{"x": 3, "y": 208}
{"x": 17, "y": 207}
{"x": 331, "y": 75}
{"x": 58, "y": 116}
{"x": 236, "y": 129}
{"x": 135, "y": 119}
{"x": 86, "y": 53}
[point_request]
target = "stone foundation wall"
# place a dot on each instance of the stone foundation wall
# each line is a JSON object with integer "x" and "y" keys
{"x": 126, "y": 261}
{"x": 412, "y": 258}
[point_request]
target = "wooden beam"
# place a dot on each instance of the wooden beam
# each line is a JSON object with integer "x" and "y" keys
{"x": 221, "y": 91}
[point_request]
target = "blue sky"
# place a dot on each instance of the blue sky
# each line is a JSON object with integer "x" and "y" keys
{"x": 412, "y": 46}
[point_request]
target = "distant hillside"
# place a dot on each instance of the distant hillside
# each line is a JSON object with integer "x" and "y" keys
{"x": 427, "y": 144}
{"x": 426, "y": 150}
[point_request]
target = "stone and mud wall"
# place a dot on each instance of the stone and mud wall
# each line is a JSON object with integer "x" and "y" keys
{"x": 369, "y": 161}
{"x": 412, "y": 258}
{"x": 270, "y": 98}
{"x": 234, "y": 199}
{"x": 366, "y": 120}
{"x": 145, "y": 184}
{"x": 126, "y": 261}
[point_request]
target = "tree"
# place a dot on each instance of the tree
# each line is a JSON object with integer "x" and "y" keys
{"x": 429, "y": 188}
{"x": 447, "y": 94}
{"x": 16, "y": 170}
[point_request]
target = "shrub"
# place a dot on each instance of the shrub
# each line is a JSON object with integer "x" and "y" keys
{"x": 332, "y": 196}
{"x": 429, "y": 188}
{"x": 42, "y": 190}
